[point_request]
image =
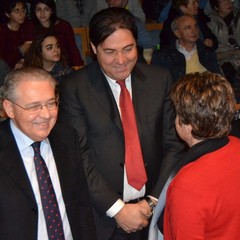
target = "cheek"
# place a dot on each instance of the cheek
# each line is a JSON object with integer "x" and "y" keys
{"x": 48, "y": 15}
{"x": 46, "y": 55}
{"x": 105, "y": 60}
{"x": 37, "y": 14}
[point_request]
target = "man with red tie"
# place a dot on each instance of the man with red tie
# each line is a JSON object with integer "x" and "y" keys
{"x": 125, "y": 120}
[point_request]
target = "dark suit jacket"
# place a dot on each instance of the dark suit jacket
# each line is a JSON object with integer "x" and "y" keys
{"x": 87, "y": 103}
{"x": 18, "y": 207}
{"x": 170, "y": 58}
{"x": 167, "y": 36}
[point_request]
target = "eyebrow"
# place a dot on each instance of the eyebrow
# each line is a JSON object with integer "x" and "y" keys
{"x": 113, "y": 49}
{"x": 52, "y": 44}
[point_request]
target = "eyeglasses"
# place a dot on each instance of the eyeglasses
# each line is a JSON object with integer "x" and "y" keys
{"x": 51, "y": 105}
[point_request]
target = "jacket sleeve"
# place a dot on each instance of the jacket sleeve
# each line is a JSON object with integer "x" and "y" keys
{"x": 72, "y": 112}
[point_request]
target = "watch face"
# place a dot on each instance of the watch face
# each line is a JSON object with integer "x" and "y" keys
{"x": 150, "y": 203}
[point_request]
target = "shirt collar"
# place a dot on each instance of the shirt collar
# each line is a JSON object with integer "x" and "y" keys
{"x": 183, "y": 50}
{"x": 22, "y": 140}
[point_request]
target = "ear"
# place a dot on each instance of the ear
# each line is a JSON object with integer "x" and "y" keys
{"x": 93, "y": 48}
{"x": 183, "y": 9}
{"x": 7, "y": 15}
{"x": 177, "y": 33}
{"x": 188, "y": 128}
{"x": 8, "y": 107}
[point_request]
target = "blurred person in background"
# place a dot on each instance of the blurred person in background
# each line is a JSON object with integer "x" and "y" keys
{"x": 43, "y": 15}
{"x": 16, "y": 34}
{"x": 45, "y": 52}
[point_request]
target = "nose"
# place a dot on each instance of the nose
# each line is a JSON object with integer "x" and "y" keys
{"x": 44, "y": 113}
{"x": 120, "y": 58}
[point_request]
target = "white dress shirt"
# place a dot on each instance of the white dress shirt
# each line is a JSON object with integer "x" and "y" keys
{"x": 129, "y": 192}
{"x": 27, "y": 153}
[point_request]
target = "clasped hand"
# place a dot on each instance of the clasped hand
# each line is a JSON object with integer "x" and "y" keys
{"x": 134, "y": 216}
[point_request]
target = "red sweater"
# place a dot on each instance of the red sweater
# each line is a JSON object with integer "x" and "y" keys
{"x": 10, "y": 41}
{"x": 203, "y": 200}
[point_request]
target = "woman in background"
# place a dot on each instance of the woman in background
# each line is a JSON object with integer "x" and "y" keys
{"x": 16, "y": 34}
{"x": 43, "y": 15}
{"x": 45, "y": 52}
{"x": 225, "y": 24}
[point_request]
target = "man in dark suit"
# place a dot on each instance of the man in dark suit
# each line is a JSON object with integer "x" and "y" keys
{"x": 91, "y": 102}
{"x": 31, "y": 103}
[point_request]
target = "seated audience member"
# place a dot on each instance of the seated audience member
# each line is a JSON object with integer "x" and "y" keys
{"x": 188, "y": 54}
{"x": 45, "y": 20}
{"x": 43, "y": 188}
{"x": 190, "y": 7}
{"x": 204, "y": 195}
{"x": 133, "y": 6}
{"x": 16, "y": 34}
{"x": 206, "y": 6}
{"x": 225, "y": 24}
{"x": 45, "y": 52}
{"x": 76, "y": 12}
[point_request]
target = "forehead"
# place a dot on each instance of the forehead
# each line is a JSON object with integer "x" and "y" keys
{"x": 42, "y": 5}
{"x": 49, "y": 39}
{"x": 191, "y": 2}
{"x": 120, "y": 37}
{"x": 186, "y": 20}
{"x": 18, "y": 5}
{"x": 33, "y": 81}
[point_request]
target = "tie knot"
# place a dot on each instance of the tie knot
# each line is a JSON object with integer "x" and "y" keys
{"x": 36, "y": 146}
{"x": 122, "y": 83}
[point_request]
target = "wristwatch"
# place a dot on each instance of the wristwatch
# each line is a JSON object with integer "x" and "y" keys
{"x": 150, "y": 203}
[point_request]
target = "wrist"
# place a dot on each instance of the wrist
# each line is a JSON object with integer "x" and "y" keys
{"x": 150, "y": 203}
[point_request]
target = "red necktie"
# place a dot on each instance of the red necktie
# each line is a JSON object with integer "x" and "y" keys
{"x": 136, "y": 173}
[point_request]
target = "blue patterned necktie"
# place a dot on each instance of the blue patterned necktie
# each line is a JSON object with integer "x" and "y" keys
{"x": 48, "y": 197}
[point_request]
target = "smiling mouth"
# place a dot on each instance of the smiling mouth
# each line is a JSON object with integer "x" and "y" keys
{"x": 42, "y": 124}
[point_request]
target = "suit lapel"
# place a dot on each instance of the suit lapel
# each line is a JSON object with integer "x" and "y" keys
{"x": 139, "y": 97}
{"x": 11, "y": 161}
{"x": 102, "y": 92}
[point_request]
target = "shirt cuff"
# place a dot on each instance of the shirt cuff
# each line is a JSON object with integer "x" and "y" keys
{"x": 153, "y": 198}
{"x": 115, "y": 208}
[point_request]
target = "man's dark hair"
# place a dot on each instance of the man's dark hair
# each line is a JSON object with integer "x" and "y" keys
{"x": 107, "y": 21}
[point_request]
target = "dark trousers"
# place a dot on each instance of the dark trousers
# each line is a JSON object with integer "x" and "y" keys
{"x": 120, "y": 234}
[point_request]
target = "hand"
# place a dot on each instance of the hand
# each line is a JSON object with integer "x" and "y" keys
{"x": 19, "y": 64}
{"x": 23, "y": 48}
{"x": 146, "y": 209}
{"x": 208, "y": 42}
{"x": 133, "y": 216}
